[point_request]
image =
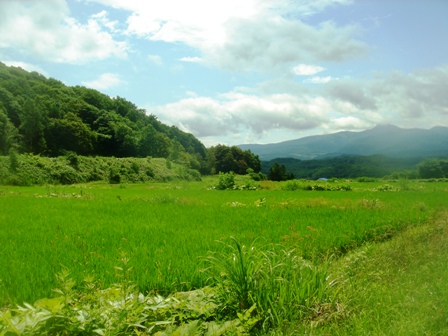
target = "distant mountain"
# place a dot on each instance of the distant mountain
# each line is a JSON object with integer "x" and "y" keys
{"x": 386, "y": 140}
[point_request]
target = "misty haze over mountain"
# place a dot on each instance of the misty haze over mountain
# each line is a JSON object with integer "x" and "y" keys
{"x": 386, "y": 140}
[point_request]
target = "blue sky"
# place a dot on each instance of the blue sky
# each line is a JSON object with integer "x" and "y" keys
{"x": 245, "y": 71}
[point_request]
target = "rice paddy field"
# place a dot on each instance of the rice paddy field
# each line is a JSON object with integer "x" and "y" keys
{"x": 167, "y": 228}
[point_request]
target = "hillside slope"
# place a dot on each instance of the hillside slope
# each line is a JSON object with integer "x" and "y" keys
{"x": 386, "y": 140}
{"x": 43, "y": 116}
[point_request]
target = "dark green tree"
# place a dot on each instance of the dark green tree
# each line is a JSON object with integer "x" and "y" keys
{"x": 433, "y": 168}
{"x": 69, "y": 134}
{"x": 53, "y": 119}
{"x": 278, "y": 173}
{"x": 226, "y": 159}
{"x": 8, "y": 133}
{"x": 32, "y": 127}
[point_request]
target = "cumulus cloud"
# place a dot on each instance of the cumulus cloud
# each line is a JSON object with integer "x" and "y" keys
{"x": 45, "y": 29}
{"x": 400, "y": 98}
{"x": 255, "y": 35}
{"x": 104, "y": 82}
{"x": 272, "y": 43}
{"x": 241, "y": 113}
{"x": 409, "y": 100}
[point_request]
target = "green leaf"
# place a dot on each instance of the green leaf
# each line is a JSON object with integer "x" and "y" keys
{"x": 54, "y": 305}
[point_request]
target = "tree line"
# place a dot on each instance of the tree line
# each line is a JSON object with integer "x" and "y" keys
{"x": 356, "y": 166}
{"x": 43, "y": 116}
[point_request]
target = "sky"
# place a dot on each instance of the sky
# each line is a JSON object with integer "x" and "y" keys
{"x": 245, "y": 71}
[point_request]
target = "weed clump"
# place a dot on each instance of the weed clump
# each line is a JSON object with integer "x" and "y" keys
{"x": 272, "y": 281}
{"x": 250, "y": 288}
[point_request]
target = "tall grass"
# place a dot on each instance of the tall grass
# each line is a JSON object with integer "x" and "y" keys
{"x": 277, "y": 282}
{"x": 394, "y": 288}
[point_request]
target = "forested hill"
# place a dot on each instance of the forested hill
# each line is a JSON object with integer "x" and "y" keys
{"x": 41, "y": 115}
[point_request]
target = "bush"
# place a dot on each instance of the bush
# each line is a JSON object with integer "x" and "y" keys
{"x": 226, "y": 181}
{"x": 291, "y": 185}
{"x": 114, "y": 177}
{"x": 27, "y": 169}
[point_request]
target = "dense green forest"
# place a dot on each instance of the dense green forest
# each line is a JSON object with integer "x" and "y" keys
{"x": 358, "y": 166}
{"x": 43, "y": 116}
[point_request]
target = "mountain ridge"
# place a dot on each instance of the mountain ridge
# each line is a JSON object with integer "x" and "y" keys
{"x": 383, "y": 139}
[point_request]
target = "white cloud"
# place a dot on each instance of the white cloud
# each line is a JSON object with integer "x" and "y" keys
{"x": 103, "y": 18}
{"x": 307, "y": 70}
{"x": 104, "y": 82}
{"x": 252, "y": 115}
{"x": 26, "y": 66}
{"x": 417, "y": 98}
{"x": 191, "y": 59}
{"x": 235, "y": 113}
{"x": 256, "y": 35}
{"x": 45, "y": 29}
{"x": 348, "y": 123}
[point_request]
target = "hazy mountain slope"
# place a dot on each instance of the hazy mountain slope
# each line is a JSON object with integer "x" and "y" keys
{"x": 383, "y": 139}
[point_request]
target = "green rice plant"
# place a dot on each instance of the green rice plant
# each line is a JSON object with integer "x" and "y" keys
{"x": 166, "y": 227}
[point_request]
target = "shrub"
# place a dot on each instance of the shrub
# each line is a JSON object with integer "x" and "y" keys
{"x": 114, "y": 177}
{"x": 226, "y": 181}
{"x": 292, "y": 185}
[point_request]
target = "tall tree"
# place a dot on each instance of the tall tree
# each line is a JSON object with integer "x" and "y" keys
{"x": 278, "y": 173}
{"x": 32, "y": 127}
{"x": 8, "y": 133}
{"x": 69, "y": 134}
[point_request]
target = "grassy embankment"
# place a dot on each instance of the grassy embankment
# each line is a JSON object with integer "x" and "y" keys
{"x": 397, "y": 287}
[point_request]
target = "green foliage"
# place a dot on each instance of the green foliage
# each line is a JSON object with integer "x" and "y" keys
{"x": 386, "y": 187}
{"x": 326, "y": 187}
{"x": 275, "y": 282}
{"x": 224, "y": 159}
{"x": 366, "y": 179}
{"x": 72, "y": 168}
{"x": 255, "y": 176}
{"x": 394, "y": 288}
{"x": 255, "y": 288}
{"x": 292, "y": 185}
{"x": 13, "y": 161}
{"x": 375, "y": 166}
{"x": 43, "y": 116}
{"x": 433, "y": 168}
{"x": 8, "y": 133}
{"x": 88, "y": 309}
{"x": 226, "y": 181}
{"x": 278, "y": 173}
{"x": 114, "y": 177}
